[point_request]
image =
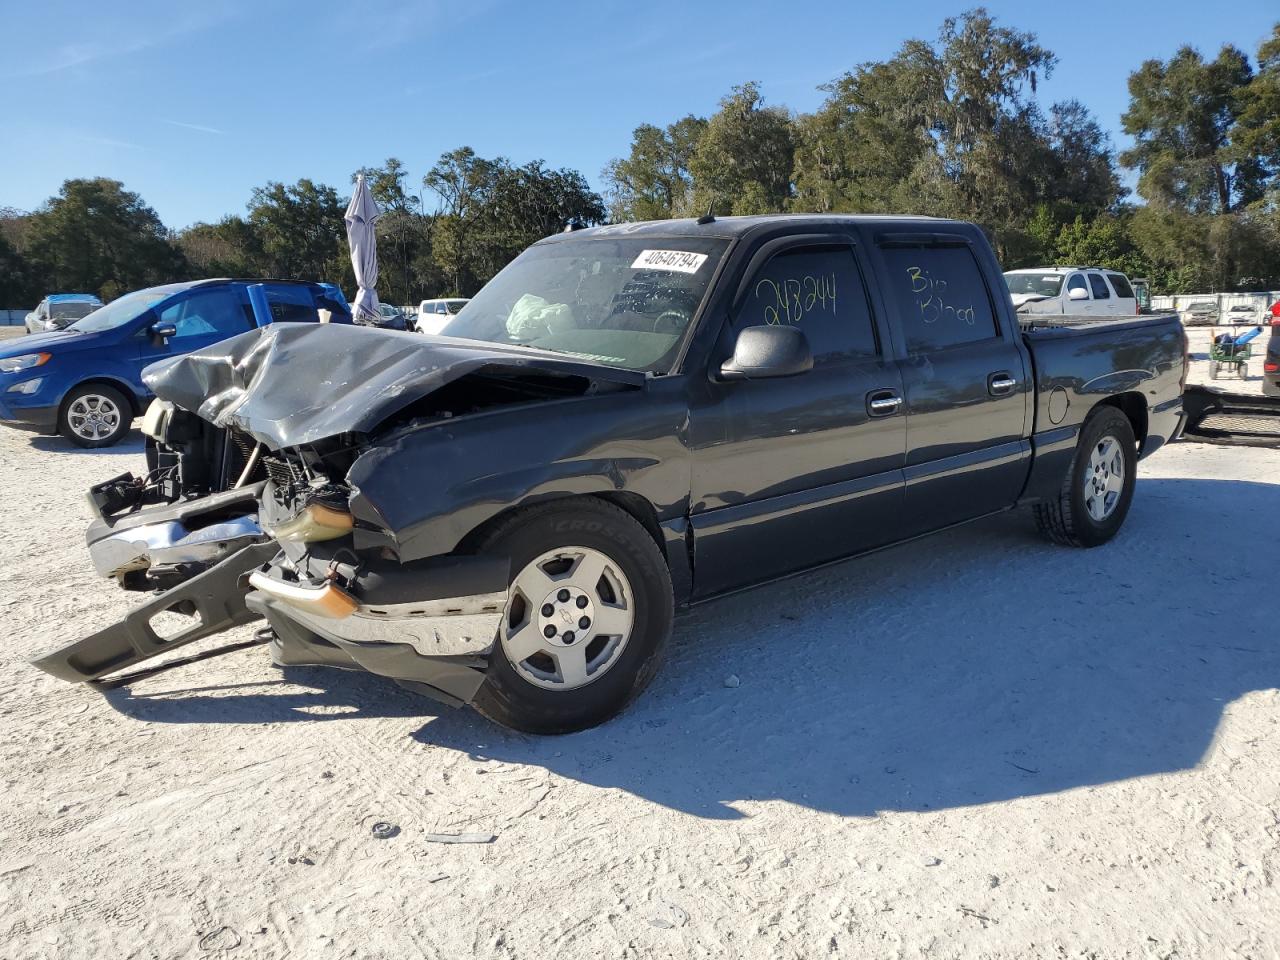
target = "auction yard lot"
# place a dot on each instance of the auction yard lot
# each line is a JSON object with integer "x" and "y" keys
{"x": 978, "y": 744}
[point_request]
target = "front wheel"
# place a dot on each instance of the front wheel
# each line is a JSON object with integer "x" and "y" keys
{"x": 95, "y": 415}
{"x": 1095, "y": 496}
{"x": 587, "y": 619}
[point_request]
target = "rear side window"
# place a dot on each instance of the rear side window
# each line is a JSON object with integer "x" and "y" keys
{"x": 820, "y": 291}
{"x": 941, "y": 297}
{"x": 1100, "y": 291}
{"x": 291, "y": 304}
{"x": 1121, "y": 284}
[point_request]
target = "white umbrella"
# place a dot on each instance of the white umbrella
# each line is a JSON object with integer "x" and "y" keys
{"x": 362, "y": 216}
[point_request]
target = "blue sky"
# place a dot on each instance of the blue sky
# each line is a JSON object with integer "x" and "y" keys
{"x": 192, "y": 105}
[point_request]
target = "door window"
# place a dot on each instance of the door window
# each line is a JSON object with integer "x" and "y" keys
{"x": 1121, "y": 284}
{"x": 1099, "y": 285}
{"x": 941, "y": 296}
{"x": 818, "y": 290}
{"x": 1076, "y": 282}
{"x": 206, "y": 314}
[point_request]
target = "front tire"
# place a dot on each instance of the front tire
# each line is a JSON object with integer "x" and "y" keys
{"x": 1098, "y": 489}
{"x": 587, "y": 620}
{"x": 95, "y": 415}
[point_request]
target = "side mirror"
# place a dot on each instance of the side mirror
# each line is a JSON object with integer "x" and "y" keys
{"x": 1077, "y": 293}
{"x": 768, "y": 351}
{"x": 163, "y": 331}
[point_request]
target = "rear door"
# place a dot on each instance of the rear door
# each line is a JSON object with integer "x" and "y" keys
{"x": 1104, "y": 304}
{"x": 965, "y": 375}
{"x": 792, "y": 472}
{"x": 1126, "y": 299}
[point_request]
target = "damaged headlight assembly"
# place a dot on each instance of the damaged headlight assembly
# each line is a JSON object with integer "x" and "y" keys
{"x": 313, "y": 523}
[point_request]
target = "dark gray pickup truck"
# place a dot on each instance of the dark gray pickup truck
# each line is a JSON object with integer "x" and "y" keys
{"x": 625, "y": 421}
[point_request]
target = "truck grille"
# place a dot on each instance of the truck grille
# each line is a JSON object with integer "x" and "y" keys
{"x": 282, "y": 472}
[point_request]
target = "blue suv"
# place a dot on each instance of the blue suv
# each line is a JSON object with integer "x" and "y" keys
{"x": 85, "y": 381}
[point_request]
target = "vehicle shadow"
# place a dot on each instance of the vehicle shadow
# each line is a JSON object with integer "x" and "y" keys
{"x": 975, "y": 666}
{"x": 132, "y": 443}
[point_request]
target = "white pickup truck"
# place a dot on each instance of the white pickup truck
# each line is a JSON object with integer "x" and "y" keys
{"x": 1086, "y": 291}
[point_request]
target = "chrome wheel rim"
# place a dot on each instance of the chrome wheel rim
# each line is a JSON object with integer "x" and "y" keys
{"x": 1104, "y": 478}
{"x": 93, "y": 417}
{"x": 568, "y": 618}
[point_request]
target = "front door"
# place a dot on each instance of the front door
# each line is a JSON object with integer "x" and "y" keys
{"x": 965, "y": 380}
{"x": 201, "y": 317}
{"x": 792, "y": 472}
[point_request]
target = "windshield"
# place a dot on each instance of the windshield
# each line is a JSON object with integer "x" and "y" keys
{"x": 621, "y": 302}
{"x": 65, "y": 311}
{"x": 1035, "y": 284}
{"x": 119, "y": 312}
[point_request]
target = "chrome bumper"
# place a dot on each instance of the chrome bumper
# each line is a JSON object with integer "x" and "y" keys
{"x": 433, "y": 627}
{"x": 169, "y": 543}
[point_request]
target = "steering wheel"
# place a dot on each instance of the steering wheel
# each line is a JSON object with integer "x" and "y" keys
{"x": 677, "y": 319}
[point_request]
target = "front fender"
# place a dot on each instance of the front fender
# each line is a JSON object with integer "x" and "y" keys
{"x": 422, "y": 491}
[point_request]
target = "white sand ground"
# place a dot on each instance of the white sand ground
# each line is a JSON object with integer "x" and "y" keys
{"x": 976, "y": 745}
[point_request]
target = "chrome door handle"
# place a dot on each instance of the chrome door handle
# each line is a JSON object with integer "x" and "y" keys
{"x": 882, "y": 406}
{"x": 1001, "y": 383}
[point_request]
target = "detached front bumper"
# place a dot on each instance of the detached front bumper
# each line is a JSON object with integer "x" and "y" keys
{"x": 428, "y": 625}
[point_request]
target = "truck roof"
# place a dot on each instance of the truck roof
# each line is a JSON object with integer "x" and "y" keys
{"x": 1063, "y": 270}
{"x": 733, "y": 227}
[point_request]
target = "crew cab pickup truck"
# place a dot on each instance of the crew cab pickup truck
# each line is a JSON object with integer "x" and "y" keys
{"x": 625, "y": 421}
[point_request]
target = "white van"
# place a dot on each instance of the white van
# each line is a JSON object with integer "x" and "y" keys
{"x": 434, "y": 314}
{"x": 1087, "y": 291}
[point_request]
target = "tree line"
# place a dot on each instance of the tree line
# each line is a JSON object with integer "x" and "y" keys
{"x": 948, "y": 127}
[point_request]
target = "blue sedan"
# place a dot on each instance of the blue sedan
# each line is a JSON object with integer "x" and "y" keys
{"x": 85, "y": 381}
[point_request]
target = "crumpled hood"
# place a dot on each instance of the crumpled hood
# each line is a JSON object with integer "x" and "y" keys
{"x": 293, "y": 383}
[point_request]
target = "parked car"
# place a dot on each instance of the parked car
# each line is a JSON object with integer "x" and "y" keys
{"x": 1080, "y": 291}
{"x": 57, "y": 310}
{"x": 85, "y": 381}
{"x": 1242, "y": 313}
{"x": 434, "y": 314}
{"x": 393, "y": 318}
{"x": 625, "y": 421}
{"x": 1202, "y": 313}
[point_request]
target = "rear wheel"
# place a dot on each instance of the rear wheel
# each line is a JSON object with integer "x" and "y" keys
{"x": 587, "y": 619}
{"x": 1095, "y": 496}
{"x": 95, "y": 415}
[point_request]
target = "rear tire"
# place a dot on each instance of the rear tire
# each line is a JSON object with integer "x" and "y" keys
{"x": 554, "y": 549}
{"x": 95, "y": 415}
{"x": 1084, "y": 513}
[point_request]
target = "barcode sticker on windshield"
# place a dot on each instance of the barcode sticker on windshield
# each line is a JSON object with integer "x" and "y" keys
{"x": 678, "y": 260}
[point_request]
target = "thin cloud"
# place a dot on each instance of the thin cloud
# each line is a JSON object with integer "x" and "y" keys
{"x": 194, "y": 126}
{"x": 107, "y": 142}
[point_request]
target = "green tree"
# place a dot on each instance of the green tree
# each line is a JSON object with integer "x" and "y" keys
{"x": 1181, "y": 116}
{"x": 228, "y": 248}
{"x": 743, "y": 161}
{"x": 654, "y": 182}
{"x": 301, "y": 230}
{"x": 95, "y": 236}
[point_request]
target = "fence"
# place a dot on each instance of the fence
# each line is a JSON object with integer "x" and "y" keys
{"x": 1225, "y": 301}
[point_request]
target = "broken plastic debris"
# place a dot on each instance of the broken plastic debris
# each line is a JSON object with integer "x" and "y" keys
{"x": 385, "y": 831}
{"x": 732, "y": 680}
{"x": 461, "y": 837}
